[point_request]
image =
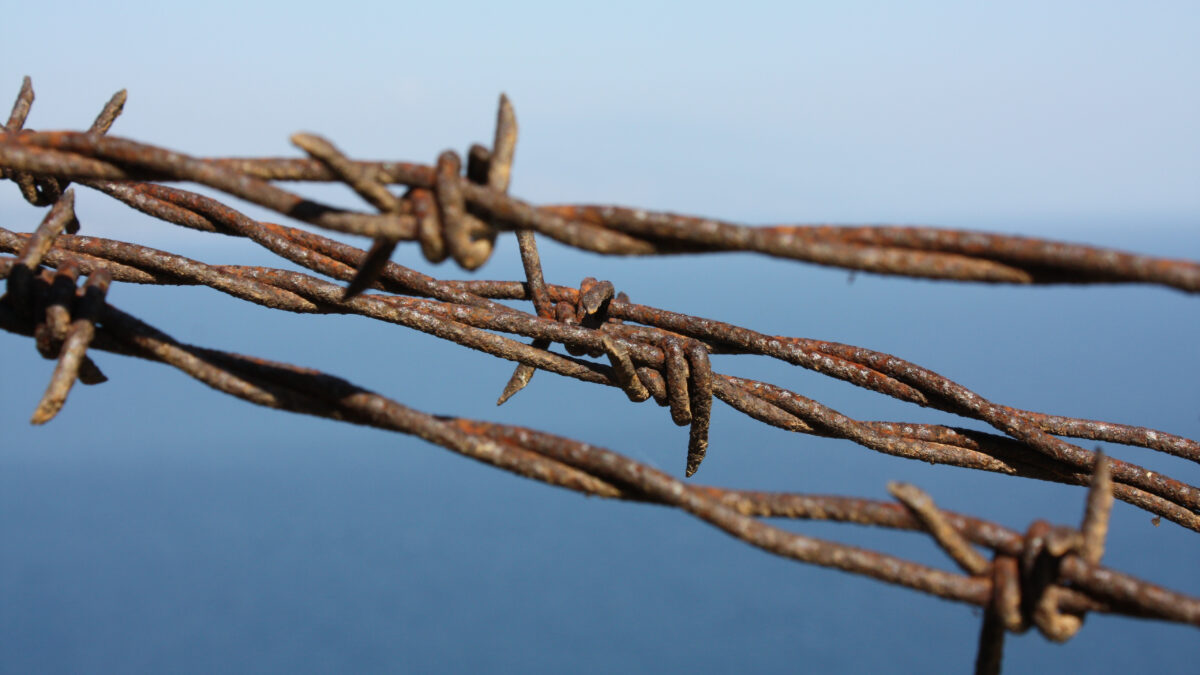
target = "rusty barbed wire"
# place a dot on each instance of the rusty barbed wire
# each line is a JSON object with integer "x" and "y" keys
{"x": 470, "y": 325}
{"x": 600, "y": 472}
{"x": 468, "y": 214}
{"x": 1047, "y": 578}
{"x": 584, "y": 467}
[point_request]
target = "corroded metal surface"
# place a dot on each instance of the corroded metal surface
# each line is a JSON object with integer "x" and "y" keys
{"x": 1047, "y": 577}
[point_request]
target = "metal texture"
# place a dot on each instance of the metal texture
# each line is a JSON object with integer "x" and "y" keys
{"x": 1047, "y": 577}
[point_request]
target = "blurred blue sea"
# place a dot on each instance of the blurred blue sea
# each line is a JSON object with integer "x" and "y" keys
{"x": 157, "y": 525}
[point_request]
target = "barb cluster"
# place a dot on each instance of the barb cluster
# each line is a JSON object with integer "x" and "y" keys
{"x": 1047, "y": 578}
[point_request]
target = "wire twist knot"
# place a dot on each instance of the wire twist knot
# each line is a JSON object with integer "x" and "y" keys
{"x": 63, "y": 316}
{"x": 444, "y": 225}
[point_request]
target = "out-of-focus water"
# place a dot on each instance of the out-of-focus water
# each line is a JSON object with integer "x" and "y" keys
{"x": 158, "y": 526}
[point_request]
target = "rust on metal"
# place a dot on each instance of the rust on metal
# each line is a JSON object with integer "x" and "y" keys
{"x": 1048, "y": 577}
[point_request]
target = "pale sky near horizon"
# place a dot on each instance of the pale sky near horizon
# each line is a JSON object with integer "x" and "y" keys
{"x": 976, "y": 114}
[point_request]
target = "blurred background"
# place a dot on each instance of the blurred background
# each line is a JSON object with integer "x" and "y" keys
{"x": 157, "y": 525}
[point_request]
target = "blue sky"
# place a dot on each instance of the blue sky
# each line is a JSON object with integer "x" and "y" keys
{"x": 156, "y": 512}
{"x": 973, "y": 114}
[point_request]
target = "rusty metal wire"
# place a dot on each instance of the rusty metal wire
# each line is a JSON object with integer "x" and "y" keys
{"x": 460, "y": 205}
{"x": 1048, "y": 577}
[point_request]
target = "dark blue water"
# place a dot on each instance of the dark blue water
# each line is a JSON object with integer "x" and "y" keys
{"x": 157, "y": 525}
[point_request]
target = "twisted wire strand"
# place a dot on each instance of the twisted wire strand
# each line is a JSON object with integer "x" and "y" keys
{"x": 470, "y": 325}
{"x": 587, "y": 468}
{"x": 870, "y": 369}
{"x": 909, "y": 251}
{"x": 875, "y": 370}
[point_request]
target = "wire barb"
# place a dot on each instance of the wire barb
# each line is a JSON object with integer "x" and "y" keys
{"x": 922, "y": 506}
{"x": 366, "y": 183}
{"x": 39, "y": 192}
{"x": 72, "y": 353}
{"x": 1098, "y": 512}
{"x": 624, "y": 370}
{"x": 1026, "y": 587}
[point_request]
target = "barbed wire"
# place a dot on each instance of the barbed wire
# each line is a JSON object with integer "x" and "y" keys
{"x": 1048, "y": 577}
